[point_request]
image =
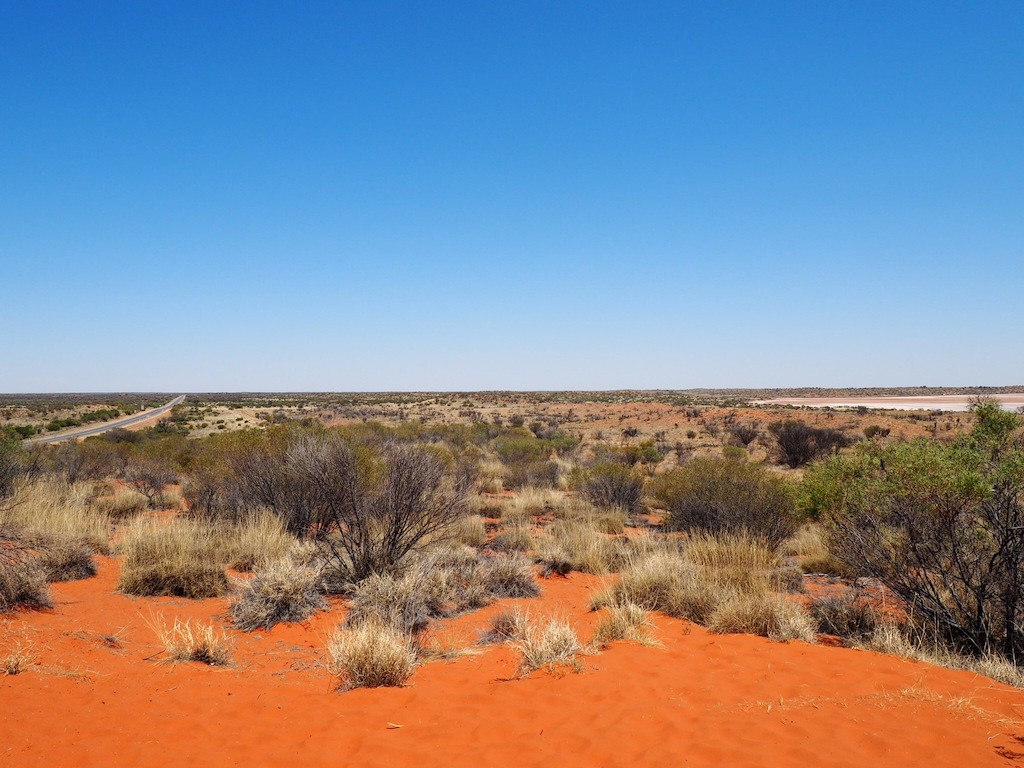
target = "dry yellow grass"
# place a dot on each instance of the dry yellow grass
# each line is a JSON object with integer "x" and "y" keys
{"x": 371, "y": 655}
{"x": 259, "y": 539}
{"x": 53, "y": 509}
{"x": 177, "y": 557}
{"x": 625, "y": 621}
{"x": 550, "y": 643}
{"x": 471, "y": 531}
{"x": 185, "y": 641}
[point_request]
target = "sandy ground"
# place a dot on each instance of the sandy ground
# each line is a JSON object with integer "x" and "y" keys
{"x": 98, "y": 694}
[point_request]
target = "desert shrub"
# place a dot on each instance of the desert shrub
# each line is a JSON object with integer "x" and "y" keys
{"x": 744, "y": 434}
{"x": 734, "y": 453}
{"x": 717, "y": 495}
{"x": 765, "y": 614}
{"x": 471, "y": 531}
{"x": 381, "y": 508}
{"x": 281, "y": 591}
{"x": 625, "y": 621}
{"x": 872, "y": 431}
{"x": 550, "y": 644}
{"x": 22, "y": 585}
{"x": 148, "y": 476}
{"x": 179, "y": 558}
{"x": 788, "y": 578}
{"x": 610, "y": 484}
{"x": 849, "y": 616}
{"x": 185, "y": 641}
{"x": 942, "y": 526}
{"x": 798, "y": 443}
{"x": 11, "y": 466}
{"x": 371, "y": 655}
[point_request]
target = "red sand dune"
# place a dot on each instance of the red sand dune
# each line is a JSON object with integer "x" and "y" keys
{"x": 100, "y": 696}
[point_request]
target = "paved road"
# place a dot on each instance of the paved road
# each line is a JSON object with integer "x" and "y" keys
{"x": 99, "y": 429}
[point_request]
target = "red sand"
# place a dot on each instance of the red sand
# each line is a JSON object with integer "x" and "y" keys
{"x": 702, "y": 700}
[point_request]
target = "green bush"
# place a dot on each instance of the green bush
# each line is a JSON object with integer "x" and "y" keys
{"x": 611, "y": 484}
{"x": 718, "y": 495}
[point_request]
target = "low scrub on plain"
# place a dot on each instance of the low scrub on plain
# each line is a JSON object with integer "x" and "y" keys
{"x": 281, "y": 591}
{"x": 178, "y": 557}
{"x": 371, "y": 654}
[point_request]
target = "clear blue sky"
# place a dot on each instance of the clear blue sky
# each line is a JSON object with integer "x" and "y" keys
{"x": 294, "y": 196}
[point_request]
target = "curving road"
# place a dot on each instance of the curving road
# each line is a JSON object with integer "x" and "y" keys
{"x": 98, "y": 429}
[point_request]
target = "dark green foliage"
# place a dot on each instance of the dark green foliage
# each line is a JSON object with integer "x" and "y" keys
{"x": 941, "y": 525}
{"x": 719, "y": 495}
{"x": 798, "y": 444}
{"x": 611, "y": 484}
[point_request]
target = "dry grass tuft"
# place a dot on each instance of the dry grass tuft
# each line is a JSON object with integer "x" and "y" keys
{"x": 282, "y": 591}
{"x": 440, "y": 584}
{"x": 471, "y": 531}
{"x": 578, "y": 544}
{"x": 124, "y": 503}
{"x": 899, "y": 640}
{"x": 199, "y": 642}
{"x": 23, "y": 585}
{"x": 16, "y": 661}
{"x": 54, "y": 510}
{"x": 767, "y": 615}
{"x": 514, "y": 538}
{"x": 178, "y": 558}
{"x": 627, "y": 621}
{"x": 849, "y": 616}
{"x": 259, "y": 539}
{"x": 370, "y": 655}
{"x": 551, "y": 644}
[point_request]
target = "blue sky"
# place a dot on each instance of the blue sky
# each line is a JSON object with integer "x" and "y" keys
{"x": 393, "y": 196}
